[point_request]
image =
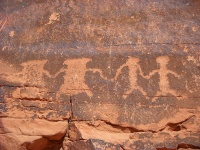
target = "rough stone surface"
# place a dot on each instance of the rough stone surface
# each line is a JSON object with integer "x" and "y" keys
{"x": 99, "y": 75}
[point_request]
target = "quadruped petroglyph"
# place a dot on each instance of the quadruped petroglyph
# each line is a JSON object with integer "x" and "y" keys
{"x": 33, "y": 73}
{"x": 74, "y": 76}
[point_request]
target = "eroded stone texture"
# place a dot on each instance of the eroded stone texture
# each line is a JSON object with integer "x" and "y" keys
{"x": 96, "y": 74}
{"x": 31, "y": 134}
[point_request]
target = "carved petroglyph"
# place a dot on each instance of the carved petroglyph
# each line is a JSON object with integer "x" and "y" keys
{"x": 134, "y": 69}
{"x": 33, "y": 73}
{"x": 54, "y": 17}
{"x": 164, "y": 81}
{"x": 133, "y": 66}
{"x": 163, "y": 72}
{"x": 74, "y": 78}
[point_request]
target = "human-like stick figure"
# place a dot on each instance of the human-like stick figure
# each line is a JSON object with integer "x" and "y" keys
{"x": 164, "y": 81}
{"x": 134, "y": 68}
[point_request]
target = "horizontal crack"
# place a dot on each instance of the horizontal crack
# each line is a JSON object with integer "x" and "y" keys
{"x": 184, "y": 145}
{"x": 130, "y": 129}
{"x": 18, "y": 86}
{"x": 176, "y": 126}
{"x": 179, "y": 146}
{"x": 35, "y": 99}
{"x": 136, "y": 44}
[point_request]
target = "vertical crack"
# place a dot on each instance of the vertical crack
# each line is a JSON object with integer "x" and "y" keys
{"x": 71, "y": 116}
{"x": 71, "y": 109}
{"x": 121, "y": 146}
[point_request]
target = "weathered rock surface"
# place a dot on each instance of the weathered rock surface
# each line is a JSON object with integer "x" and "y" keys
{"x": 120, "y": 74}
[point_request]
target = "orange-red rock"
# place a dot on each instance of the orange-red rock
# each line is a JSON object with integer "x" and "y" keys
{"x": 119, "y": 74}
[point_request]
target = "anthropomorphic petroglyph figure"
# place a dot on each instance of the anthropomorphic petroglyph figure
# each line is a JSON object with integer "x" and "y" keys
{"x": 134, "y": 69}
{"x": 163, "y": 72}
{"x": 74, "y": 78}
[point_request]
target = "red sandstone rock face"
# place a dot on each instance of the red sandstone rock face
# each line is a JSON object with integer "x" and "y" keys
{"x": 108, "y": 75}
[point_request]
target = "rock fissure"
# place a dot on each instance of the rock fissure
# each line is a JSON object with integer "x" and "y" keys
{"x": 186, "y": 146}
{"x": 18, "y": 86}
{"x": 125, "y": 129}
{"x": 132, "y": 44}
{"x": 177, "y": 126}
{"x": 35, "y": 99}
{"x": 180, "y": 146}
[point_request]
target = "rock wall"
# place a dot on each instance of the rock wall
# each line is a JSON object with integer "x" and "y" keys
{"x": 99, "y": 75}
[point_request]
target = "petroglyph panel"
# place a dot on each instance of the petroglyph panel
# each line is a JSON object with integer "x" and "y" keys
{"x": 79, "y": 76}
{"x": 116, "y": 72}
{"x": 114, "y": 86}
{"x": 134, "y": 92}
